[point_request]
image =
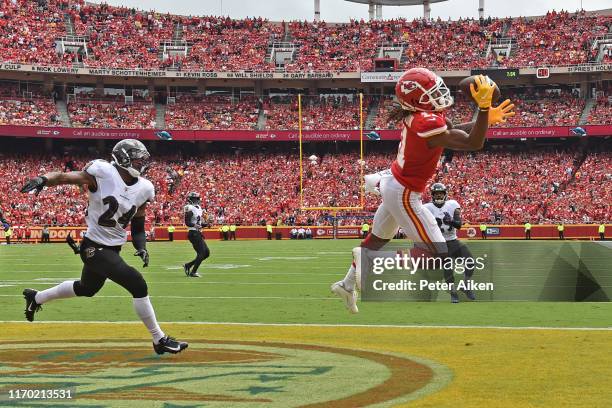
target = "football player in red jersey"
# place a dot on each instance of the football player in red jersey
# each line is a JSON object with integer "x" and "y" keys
{"x": 423, "y": 98}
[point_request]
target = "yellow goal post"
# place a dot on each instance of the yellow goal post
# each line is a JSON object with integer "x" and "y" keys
{"x": 361, "y": 165}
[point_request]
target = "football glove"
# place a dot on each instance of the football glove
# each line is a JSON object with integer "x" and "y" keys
{"x": 73, "y": 245}
{"x": 447, "y": 219}
{"x": 144, "y": 255}
{"x": 501, "y": 113}
{"x": 35, "y": 184}
{"x": 483, "y": 92}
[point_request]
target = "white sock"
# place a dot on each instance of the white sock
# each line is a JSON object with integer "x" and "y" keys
{"x": 349, "y": 279}
{"x": 62, "y": 291}
{"x": 144, "y": 310}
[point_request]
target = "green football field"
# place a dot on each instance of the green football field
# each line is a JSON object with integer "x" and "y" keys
{"x": 273, "y": 282}
{"x": 265, "y": 331}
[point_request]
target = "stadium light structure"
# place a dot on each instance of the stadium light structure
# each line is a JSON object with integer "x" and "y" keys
{"x": 376, "y": 5}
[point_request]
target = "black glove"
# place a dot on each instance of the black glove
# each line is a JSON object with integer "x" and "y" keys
{"x": 439, "y": 221}
{"x": 144, "y": 255}
{"x": 447, "y": 219}
{"x": 37, "y": 183}
{"x": 75, "y": 247}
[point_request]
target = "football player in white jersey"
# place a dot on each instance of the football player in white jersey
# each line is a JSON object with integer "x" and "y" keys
{"x": 448, "y": 216}
{"x": 193, "y": 220}
{"x": 118, "y": 196}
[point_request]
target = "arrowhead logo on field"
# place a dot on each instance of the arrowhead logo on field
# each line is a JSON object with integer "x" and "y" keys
{"x": 229, "y": 373}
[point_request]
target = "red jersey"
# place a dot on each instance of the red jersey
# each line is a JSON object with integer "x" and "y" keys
{"x": 416, "y": 162}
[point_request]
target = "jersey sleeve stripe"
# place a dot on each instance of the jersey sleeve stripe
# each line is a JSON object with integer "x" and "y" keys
{"x": 433, "y": 131}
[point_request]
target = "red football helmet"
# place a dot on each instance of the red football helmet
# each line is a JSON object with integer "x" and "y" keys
{"x": 419, "y": 89}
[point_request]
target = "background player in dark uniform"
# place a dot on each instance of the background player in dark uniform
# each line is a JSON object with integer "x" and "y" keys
{"x": 448, "y": 216}
{"x": 193, "y": 220}
{"x": 118, "y": 196}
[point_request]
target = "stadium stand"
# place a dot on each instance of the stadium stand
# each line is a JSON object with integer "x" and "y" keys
{"x": 119, "y": 37}
{"x": 105, "y": 114}
{"x": 212, "y": 112}
{"x": 251, "y": 187}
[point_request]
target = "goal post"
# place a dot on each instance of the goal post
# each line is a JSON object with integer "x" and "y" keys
{"x": 361, "y": 205}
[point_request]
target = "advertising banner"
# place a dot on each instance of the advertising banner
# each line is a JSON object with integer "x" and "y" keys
{"x": 273, "y": 135}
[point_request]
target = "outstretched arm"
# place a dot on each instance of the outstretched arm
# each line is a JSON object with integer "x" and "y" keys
{"x": 497, "y": 114}
{"x": 57, "y": 178}
{"x": 458, "y": 139}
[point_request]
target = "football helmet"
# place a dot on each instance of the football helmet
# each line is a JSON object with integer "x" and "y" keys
{"x": 131, "y": 155}
{"x": 194, "y": 198}
{"x": 419, "y": 89}
{"x": 439, "y": 194}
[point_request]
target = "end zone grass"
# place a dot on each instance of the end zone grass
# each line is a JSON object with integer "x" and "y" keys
{"x": 476, "y": 367}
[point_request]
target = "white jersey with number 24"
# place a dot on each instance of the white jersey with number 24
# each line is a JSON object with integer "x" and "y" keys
{"x": 113, "y": 204}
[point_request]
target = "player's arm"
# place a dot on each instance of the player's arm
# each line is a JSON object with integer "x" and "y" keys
{"x": 497, "y": 114}
{"x": 458, "y": 139}
{"x": 139, "y": 238}
{"x": 466, "y": 127}
{"x": 189, "y": 218}
{"x": 455, "y": 221}
{"x": 57, "y": 178}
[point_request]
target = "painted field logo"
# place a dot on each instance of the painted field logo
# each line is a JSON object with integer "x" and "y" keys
{"x": 217, "y": 373}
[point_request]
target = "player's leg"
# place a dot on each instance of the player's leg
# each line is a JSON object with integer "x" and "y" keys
{"x": 383, "y": 230}
{"x": 188, "y": 265}
{"x": 132, "y": 280}
{"x": 418, "y": 223}
{"x": 89, "y": 284}
{"x": 202, "y": 252}
{"x": 460, "y": 250}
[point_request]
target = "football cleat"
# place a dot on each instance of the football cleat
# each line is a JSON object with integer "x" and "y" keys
{"x": 186, "y": 269}
{"x": 469, "y": 294}
{"x": 194, "y": 275}
{"x": 349, "y": 297}
{"x": 454, "y": 297}
{"x": 169, "y": 345}
{"x": 31, "y": 306}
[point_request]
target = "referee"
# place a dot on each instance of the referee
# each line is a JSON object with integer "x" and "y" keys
{"x": 193, "y": 220}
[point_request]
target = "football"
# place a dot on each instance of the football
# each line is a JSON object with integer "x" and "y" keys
{"x": 464, "y": 86}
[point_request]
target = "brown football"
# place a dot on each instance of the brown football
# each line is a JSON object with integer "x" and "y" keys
{"x": 464, "y": 86}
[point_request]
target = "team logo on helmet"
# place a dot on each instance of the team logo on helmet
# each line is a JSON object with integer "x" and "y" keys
{"x": 408, "y": 86}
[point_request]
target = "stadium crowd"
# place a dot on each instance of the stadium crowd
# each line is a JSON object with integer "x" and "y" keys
{"x": 601, "y": 112}
{"x": 545, "y": 108}
{"x": 212, "y": 112}
{"x": 120, "y": 37}
{"x": 251, "y": 188}
{"x": 334, "y": 112}
{"x": 105, "y": 114}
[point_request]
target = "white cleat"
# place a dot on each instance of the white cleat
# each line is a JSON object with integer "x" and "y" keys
{"x": 349, "y": 297}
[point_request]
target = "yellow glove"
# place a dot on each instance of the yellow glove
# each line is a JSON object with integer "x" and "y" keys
{"x": 484, "y": 94}
{"x": 501, "y": 113}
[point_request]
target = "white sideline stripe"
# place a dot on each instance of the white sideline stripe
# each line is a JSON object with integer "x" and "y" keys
{"x": 381, "y": 326}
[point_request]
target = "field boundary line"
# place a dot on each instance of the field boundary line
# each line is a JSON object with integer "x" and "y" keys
{"x": 382, "y": 326}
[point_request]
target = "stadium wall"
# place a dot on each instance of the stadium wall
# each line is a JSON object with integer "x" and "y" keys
{"x": 575, "y": 231}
